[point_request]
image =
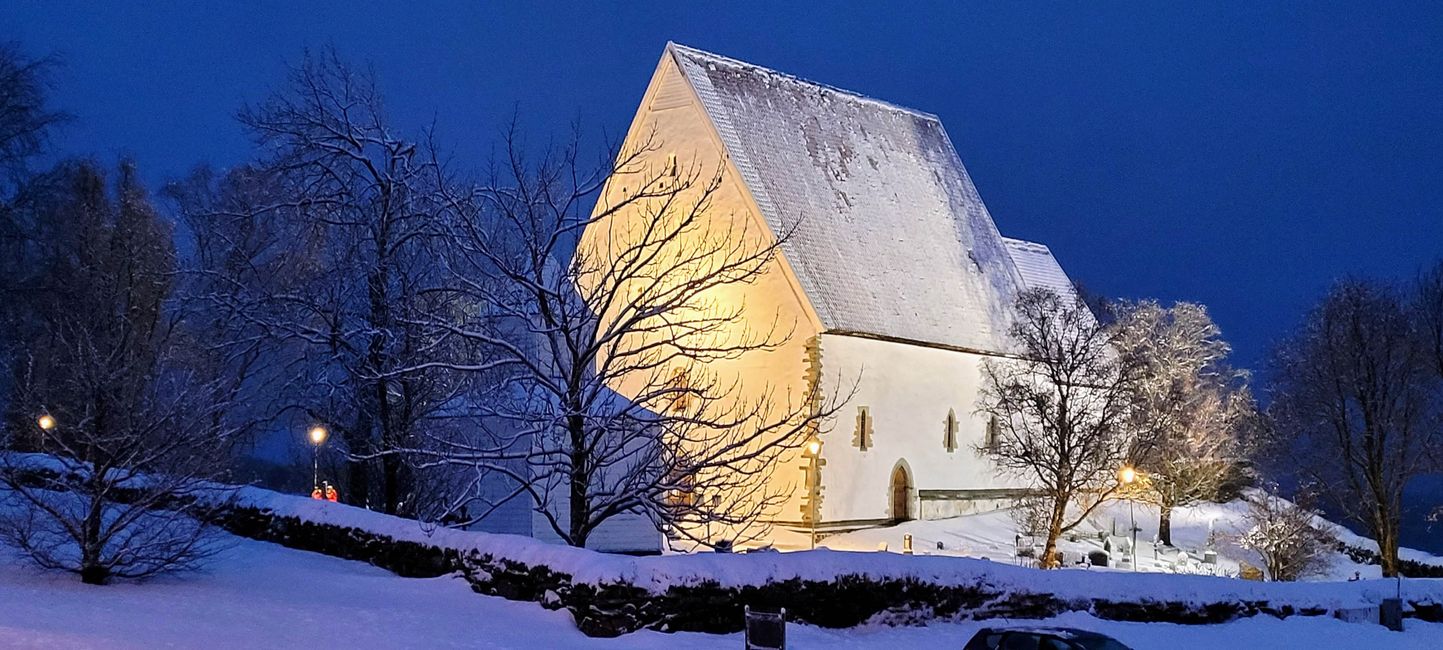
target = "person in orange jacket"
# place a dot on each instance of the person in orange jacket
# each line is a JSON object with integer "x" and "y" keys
{"x": 331, "y": 494}
{"x": 316, "y": 493}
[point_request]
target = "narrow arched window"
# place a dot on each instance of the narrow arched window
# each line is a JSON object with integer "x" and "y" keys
{"x": 949, "y": 431}
{"x": 863, "y": 437}
{"x": 994, "y": 434}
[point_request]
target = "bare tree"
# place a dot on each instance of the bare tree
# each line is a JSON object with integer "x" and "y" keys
{"x": 323, "y": 253}
{"x": 1429, "y": 307}
{"x": 1191, "y": 410}
{"x": 616, "y": 348}
{"x": 126, "y": 428}
{"x": 1062, "y": 407}
{"x": 26, "y": 122}
{"x": 1287, "y": 537}
{"x": 25, "y": 119}
{"x": 1357, "y": 400}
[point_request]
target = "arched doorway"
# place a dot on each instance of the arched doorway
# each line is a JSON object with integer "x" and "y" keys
{"x": 901, "y": 490}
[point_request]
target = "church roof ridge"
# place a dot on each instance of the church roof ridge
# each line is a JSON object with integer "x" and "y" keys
{"x": 713, "y": 57}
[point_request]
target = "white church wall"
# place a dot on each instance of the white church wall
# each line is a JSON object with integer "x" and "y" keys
{"x": 907, "y": 391}
{"x": 676, "y": 124}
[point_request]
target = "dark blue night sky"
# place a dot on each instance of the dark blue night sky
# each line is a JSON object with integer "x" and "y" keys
{"x": 1239, "y": 155}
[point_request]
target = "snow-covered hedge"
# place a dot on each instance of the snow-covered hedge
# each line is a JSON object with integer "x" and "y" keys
{"x": 614, "y": 594}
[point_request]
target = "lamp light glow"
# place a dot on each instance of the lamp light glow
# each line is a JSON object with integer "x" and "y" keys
{"x": 46, "y": 422}
{"x": 318, "y": 435}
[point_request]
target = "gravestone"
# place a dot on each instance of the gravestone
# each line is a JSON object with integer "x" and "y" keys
{"x": 1390, "y": 614}
{"x": 765, "y": 630}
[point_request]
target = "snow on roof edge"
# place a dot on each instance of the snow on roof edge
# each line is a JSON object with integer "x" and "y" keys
{"x": 676, "y": 47}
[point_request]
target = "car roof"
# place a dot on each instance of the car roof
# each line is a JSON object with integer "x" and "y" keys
{"x": 1065, "y": 632}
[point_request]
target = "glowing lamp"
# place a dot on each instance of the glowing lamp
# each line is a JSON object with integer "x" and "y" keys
{"x": 46, "y": 422}
{"x": 1127, "y": 475}
{"x": 318, "y": 435}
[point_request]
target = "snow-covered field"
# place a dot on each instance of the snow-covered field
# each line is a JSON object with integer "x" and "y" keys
{"x": 259, "y": 595}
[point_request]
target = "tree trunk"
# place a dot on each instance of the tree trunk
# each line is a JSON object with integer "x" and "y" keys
{"x": 91, "y": 571}
{"x": 390, "y": 462}
{"x": 1388, "y": 547}
{"x": 1049, "y": 559}
{"x": 580, "y": 482}
{"x": 1164, "y": 522}
{"x": 358, "y": 473}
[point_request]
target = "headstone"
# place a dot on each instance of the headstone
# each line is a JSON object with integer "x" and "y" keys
{"x": 1390, "y": 614}
{"x": 1210, "y": 557}
{"x": 1356, "y": 614}
{"x": 1097, "y": 558}
{"x": 765, "y": 630}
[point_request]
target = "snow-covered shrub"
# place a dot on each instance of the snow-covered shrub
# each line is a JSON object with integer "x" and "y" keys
{"x": 1287, "y": 537}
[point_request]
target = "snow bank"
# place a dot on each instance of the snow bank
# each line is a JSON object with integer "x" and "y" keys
{"x": 657, "y": 574}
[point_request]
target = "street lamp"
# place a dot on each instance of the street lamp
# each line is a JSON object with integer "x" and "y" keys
{"x": 318, "y": 437}
{"x": 814, "y": 449}
{"x": 1128, "y": 475}
{"x": 46, "y": 422}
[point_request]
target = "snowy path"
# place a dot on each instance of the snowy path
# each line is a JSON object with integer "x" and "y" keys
{"x": 264, "y": 595}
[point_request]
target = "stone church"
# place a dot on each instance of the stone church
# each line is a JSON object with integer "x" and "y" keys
{"x": 894, "y": 282}
{"x": 895, "y": 276}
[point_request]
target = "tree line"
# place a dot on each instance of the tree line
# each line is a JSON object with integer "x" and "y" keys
{"x": 452, "y": 331}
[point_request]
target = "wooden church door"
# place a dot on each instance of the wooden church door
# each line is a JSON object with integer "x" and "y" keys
{"x": 901, "y": 494}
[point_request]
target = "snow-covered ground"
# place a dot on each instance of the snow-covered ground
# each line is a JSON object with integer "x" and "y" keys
{"x": 259, "y": 595}
{"x": 992, "y": 536}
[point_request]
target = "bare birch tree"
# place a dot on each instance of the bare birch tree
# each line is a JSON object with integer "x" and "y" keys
{"x": 1062, "y": 408}
{"x": 1191, "y": 409}
{"x": 127, "y": 427}
{"x": 615, "y": 348}
{"x": 1357, "y": 400}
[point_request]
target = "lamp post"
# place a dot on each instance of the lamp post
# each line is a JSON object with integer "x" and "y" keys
{"x": 1127, "y": 476}
{"x": 814, "y": 450}
{"x": 318, "y": 437}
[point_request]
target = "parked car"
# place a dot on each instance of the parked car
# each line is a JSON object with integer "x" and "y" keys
{"x": 1041, "y": 638}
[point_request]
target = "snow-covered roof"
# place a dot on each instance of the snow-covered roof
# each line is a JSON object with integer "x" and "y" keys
{"x": 890, "y": 236}
{"x": 1039, "y": 268}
